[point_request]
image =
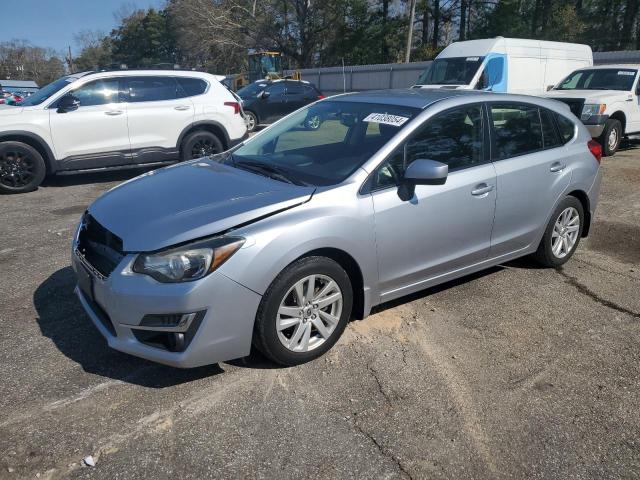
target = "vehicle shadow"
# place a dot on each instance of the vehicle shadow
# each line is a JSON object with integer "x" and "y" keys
{"x": 62, "y": 319}
{"x": 56, "y": 181}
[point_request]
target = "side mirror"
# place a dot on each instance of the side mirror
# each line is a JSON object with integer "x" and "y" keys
{"x": 426, "y": 172}
{"x": 549, "y": 87}
{"x": 68, "y": 103}
{"x": 422, "y": 172}
{"x": 264, "y": 94}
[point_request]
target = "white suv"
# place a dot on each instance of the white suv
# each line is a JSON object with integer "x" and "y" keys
{"x": 113, "y": 120}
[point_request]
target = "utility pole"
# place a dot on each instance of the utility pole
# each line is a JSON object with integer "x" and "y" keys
{"x": 70, "y": 61}
{"x": 412, "y": 16}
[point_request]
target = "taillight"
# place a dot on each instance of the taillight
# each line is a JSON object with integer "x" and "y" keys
{"x": 320, "y": 97}
{"x": 235, "y": 106}
{"x": 596, "y": 149}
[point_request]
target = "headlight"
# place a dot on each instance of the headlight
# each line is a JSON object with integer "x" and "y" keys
{"x": 593, "y": 109}
{"x": 188, "y": 262}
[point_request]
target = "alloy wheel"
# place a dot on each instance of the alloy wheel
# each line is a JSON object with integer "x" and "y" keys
{"x": 613, "y": 139}
{"x": 16, "y": 169}
{"x": 565, "y": 232}
{"x": 203, "y": 147}
{"x": 251, "y": 122}
{"x": 309, "y": 313}
{"x": 314, "y": 122}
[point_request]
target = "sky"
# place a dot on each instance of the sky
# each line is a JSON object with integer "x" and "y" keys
{"x": 53, "y": 23}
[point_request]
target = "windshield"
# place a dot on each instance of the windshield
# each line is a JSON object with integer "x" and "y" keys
{"x": 324, "y": 143}
{"x": 47, "y": 91}
{"x": 599, "y": 79}
{"x": 252, "y": 90}
{"x": 450, "y": 71}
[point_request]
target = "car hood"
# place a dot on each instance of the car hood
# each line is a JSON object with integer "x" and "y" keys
{"x": 590, "y": 96}
{"x": 188, "y": 201}
{"x": 9, "y": 110}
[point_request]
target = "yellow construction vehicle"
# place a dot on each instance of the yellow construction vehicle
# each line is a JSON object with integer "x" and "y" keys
{"x": 262, "y": 65}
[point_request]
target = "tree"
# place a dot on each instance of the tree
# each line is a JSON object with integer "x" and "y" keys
{"x": 96, "y": 50}
{"x": 20, "y": 60}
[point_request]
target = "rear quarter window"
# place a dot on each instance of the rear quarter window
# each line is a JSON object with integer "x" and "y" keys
{"x": 190, "y": 87}
{"x": 566, "y": 128}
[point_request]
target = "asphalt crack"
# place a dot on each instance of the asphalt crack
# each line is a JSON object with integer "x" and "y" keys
{"x": 384, "y": 451}
{"x": 374, "y": 374}
{"x": 584, "y": 290}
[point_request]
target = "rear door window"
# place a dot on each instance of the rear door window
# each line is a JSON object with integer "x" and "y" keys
{"x": 294, "y": 88}
{"x": 516, "y": 130}
{"x": 550, "y": 136}
{"x": 152, "y": 89}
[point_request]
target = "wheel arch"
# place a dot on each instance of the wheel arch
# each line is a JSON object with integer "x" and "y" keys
{"x": 583, "y": 198}
{"x": 208, "y": 126}
{"x": 353, "y": 270}
{"x": 621, "y": 117}
{"x": 34, "y": 141}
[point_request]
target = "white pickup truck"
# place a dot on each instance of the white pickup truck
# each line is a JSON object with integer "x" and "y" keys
{"x": 606, "y": 99}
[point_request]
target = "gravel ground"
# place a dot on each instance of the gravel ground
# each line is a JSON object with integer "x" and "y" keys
{"x": 517, "y": 372}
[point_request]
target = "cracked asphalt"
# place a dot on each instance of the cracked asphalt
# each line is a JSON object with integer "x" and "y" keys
{"x": 517, "y": 372}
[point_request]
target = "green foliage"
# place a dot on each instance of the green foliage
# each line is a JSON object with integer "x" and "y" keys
{"x": 144, "y": 39}
{"x": 215, "y": 35}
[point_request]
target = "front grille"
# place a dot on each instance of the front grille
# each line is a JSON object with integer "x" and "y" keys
{"x": 575, "y": 105}
{"x": 98, "y": 247}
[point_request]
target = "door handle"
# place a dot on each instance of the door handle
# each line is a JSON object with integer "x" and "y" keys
{"x": 182, "y": 107}
{"x": 113, "y": 113}
{"x": 557, "y": 167}
{"x": 481, "y": 189}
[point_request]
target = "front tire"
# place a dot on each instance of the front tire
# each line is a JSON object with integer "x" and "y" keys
{"x": 304, "y": 311}
{"x": 562, "y": 235}
{"x": 198, "y": 144}
{"x": 611, "y": 137}
{"x": 22, "y": 168}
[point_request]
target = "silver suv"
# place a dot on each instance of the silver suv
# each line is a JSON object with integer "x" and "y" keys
{"x": 280, "y": 241}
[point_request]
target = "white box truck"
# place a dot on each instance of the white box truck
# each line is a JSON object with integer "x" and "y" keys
{"x": 506, "y": 65}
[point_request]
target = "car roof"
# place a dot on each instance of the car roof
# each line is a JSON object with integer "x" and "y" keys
{"x": 620, "y": 66}
{"x": 137, "y": 72}
{"x": 409, "y": 97}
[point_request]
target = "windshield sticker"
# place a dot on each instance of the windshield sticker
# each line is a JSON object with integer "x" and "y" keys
{"x": 386, "y": 119}
{"x": 473, "y": 59}
{"x": 626, "y": 72}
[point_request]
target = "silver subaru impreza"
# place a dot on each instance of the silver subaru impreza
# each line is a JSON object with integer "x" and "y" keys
{"x": 279, "y": 242}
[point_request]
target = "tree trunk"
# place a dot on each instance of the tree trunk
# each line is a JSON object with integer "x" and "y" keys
{"x": 412, "y": 15}
{"x": 385, "y": 16}
{"x": 535, "y": 17}
{"x": 436, "y": 23}
{"x": 425, "y": 24}
{"x": 628, "y": 19}
{"x": 463, "y": 20}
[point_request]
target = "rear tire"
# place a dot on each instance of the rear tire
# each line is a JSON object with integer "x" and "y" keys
{"x": 252, "y": 121}
{"x": 562, "y": 235}
{"x": 198, "y": 144}
{"x": 611, "y": 137}
{"x": 283, "y": 320}
{"x": 22, "y": 168}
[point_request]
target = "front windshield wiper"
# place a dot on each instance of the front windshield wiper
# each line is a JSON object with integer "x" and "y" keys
{"x": 270, "y": 170}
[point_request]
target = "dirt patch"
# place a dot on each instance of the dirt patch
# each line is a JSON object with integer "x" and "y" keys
{"x": 615, "y": 239}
